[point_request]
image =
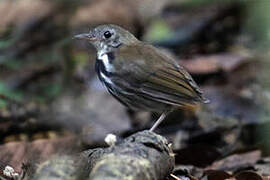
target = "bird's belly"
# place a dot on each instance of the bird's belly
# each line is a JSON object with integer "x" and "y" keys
{"x": 125, "y": 93}
{"x": 135, "y": 101}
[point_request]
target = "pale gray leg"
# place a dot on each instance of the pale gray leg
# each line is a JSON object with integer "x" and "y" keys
{"x": 160, "y": 119}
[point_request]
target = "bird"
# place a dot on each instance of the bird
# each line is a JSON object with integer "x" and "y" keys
{"x": 139, "y": 75}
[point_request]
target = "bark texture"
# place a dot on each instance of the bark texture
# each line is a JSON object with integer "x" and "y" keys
{"x": 142, "y": 156}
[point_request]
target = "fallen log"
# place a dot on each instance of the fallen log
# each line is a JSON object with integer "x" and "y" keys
{"x": 141, "y": 156}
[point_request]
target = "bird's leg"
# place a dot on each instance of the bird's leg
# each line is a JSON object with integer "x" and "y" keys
{"x": 160, "y": 119}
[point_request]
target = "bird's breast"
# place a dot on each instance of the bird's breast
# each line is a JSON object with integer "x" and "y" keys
{"x": 104, "y": 67}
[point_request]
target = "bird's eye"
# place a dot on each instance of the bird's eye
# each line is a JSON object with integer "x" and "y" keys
{"x": 107, "y": 34}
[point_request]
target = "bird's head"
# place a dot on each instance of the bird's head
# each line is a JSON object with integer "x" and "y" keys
{"x": 108, "y": 37}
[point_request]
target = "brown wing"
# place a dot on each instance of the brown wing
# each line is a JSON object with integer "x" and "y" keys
{"x": 155, "y": 75}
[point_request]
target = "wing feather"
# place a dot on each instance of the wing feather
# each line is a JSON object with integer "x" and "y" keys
{"x": 156, "y": 76}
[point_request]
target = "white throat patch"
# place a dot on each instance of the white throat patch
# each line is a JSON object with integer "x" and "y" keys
{"x": 102, "y": 56}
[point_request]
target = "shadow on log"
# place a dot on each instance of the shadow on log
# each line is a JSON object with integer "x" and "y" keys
{"x": 141, "y": 156}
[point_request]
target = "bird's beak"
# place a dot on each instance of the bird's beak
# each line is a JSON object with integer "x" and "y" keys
{"x": 85, "y": 36}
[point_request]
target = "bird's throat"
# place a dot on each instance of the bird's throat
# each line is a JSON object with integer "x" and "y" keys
{"x": 106, "y": 58}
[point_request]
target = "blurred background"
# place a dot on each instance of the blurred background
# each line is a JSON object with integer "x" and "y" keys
{"x": 52, "y": 102}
